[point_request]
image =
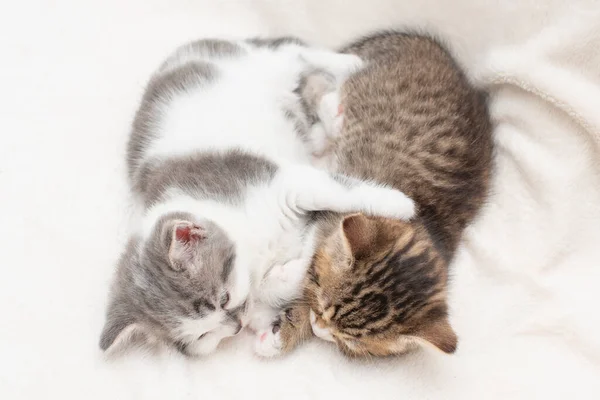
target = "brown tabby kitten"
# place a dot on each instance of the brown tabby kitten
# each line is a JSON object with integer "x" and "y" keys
{"x": 411, "y": 120}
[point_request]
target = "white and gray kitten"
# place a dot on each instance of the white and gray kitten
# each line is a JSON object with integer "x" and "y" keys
{"x": 219, "y": 159}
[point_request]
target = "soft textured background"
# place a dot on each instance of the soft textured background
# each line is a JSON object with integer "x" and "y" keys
{"x": 525, "y": 288}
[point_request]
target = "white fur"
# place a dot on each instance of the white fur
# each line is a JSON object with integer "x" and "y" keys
{"x": 191, "y": 328}
{"x": 267, "y": 344}
{"x": 238, "y": 111}
{"x": 524, "y": 286}
{"x": 243, "y": 109}
{"x": 210, "y": 342}
{"x": 323, "y": 135}
{"x": 213, "y": 329}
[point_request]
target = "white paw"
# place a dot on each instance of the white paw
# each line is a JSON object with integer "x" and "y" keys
{"x": 286, "y": 279}
{"x": 204, "y": 346}
{"x": 329, "y": 114}
{"x": 306, "y": 189}
{"x": 357, "y": 62}
{"x": 261, "y": 316}
{"x": 338, "y": 124}
{"x": 268, "y": 344}
{"x": 319, "y": 140}
{"x": 385, "y": 202}
{"x": 351, "y": 64}
{"x": 288, "y": 207}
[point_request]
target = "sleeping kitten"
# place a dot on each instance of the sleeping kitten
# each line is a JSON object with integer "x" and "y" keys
{"x": 219, "y": 163}
{"x": 411, "y": 120}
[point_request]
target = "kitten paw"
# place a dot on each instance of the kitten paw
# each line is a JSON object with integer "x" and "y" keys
{"x": 206, "y": 345}
{"x": 330, "y": 115}
{"x": 352, "y": 64}
{"x": 290, "y": 273}
{"x": 386, "y": 202}
{"x": 268, "y": 343}
{"x": 284, "y": 281}
{"x": 319, "y": 141}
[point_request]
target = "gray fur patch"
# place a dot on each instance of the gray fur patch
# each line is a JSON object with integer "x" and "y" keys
{"x": 216, "y": 176}
{"x": 275, "y": 43}
{"x": 312, "y": 85}
{"x": 203, "y": 50}
{"x": 158, "y": 91}
{"x": 215, "y": 47}
{"x": 346, "y": 180}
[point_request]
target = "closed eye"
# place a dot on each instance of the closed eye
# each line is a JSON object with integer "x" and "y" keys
{"x": 225, "y": 299}
{"x": 203, "y": 306}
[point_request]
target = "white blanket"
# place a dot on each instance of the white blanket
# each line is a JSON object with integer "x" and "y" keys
{"x": 525, "y": 287}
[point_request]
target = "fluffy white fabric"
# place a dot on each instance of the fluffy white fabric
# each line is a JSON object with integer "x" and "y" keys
{"x": 525, "y": 285}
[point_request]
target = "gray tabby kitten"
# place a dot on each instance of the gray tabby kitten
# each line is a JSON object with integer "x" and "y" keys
{"x": 219, "y": 163}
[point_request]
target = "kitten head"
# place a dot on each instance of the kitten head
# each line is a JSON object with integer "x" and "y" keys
{"x": 178, "y": 286}
{"x": 378, "y": 287}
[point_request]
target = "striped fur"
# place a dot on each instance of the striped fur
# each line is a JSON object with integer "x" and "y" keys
{"x": 413, "y": 121}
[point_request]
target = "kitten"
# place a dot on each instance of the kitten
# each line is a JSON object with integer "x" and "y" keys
{"x": 219, "y": 161}
{"x": 411, "y": 120}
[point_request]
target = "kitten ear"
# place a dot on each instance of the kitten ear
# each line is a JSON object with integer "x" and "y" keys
{"x": 360, "y": 232}
{"x": 440, "y": 334}
{"x": 185, "y": 237}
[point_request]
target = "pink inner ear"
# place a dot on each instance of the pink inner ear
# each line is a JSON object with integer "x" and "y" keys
{"x": 183, "y": 233}
{"x": 188, "y": 233}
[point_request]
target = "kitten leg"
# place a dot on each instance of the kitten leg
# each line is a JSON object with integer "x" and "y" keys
{"x": 321, "y": 99}
{"x": 209, "y": 343}
{"x": 284, "y": 282}
{"x": 286, "y": 333}
{"x": 268, "y": 343}
{"x": 262, "y": 316}
{"x": 319, "y": 141}
{"x": 323, "y": 135}
{"x": 331, "y": 115}
{"x": 339, "y": 64}
{"x": 305, "y": 189}
{"x": 317, "y": 91}
{"x": 281, "y": 285}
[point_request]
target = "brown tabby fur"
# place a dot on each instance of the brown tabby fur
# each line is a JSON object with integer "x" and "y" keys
{"x": 413, "y": 121}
